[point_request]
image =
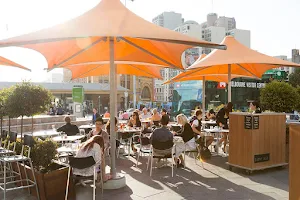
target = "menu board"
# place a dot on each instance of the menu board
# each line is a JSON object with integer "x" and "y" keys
{"x": 255, "y": 122}
{"x": 248, "y": 122}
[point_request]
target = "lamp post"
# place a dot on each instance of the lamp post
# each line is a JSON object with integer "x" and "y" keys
{"x": 126, "y": 100}
{"x": 99, "y": 103}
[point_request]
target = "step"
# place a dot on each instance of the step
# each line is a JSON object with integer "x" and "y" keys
{"x": 38, "y": 119}
{"x": 44, "y": 126}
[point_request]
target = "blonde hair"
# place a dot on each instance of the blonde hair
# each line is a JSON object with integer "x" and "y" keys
{"x": 182, "y": 118}
{"x": 154, "y": 111}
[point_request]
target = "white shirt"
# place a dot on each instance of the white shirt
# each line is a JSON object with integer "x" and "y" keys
{"x": 145, "y": 116}
{"x": 196, "y": 124}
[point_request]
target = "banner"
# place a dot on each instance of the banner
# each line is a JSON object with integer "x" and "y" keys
{"x": 78, "y": 94}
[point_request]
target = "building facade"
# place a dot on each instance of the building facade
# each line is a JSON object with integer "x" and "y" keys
{"x": 213, "y": 30}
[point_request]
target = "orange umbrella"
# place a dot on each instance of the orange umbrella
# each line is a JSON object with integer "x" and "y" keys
{"x": 86, "y": 70}
{"x": 6, "y": 62}
{"x": 187, "y": 76}
{"x": 237, "y": 59}
{"x": 109, "y": 32}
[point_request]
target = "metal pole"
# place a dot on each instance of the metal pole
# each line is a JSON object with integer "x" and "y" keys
{"x": 126, "y": 97}
{"x": 113, "y": 105}
{"x": 229, "y": 83}
{"x": 134, "y": 91}
{"x": 203, "y": 98}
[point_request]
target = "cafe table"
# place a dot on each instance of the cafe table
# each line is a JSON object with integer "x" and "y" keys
{"x": 128, "y": 134}
{"x": 68, "y": 138}
{"x": 87, "y": 126}
{"x": 43, "y": 133}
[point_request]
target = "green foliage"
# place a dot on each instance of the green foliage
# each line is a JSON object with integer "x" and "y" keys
{"x": 279, "y": 97}
{"x": 294, "y": 78}
{"x": 27, "y": 99}
{"x": 43, "y": 153}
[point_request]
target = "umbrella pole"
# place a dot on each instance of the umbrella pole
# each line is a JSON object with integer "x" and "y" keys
{"x": 229, "y": 83}
{"x": 113, "y": 107}
{"x": 203, "y": 98}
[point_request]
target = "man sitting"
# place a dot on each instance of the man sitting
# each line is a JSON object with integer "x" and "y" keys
{"x": 68, "y": 128}
{"x": 196, "y": 126}
{"x": 162, "y": 139}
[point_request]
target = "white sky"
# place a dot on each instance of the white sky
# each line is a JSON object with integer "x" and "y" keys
{"x": 274, "y": 24}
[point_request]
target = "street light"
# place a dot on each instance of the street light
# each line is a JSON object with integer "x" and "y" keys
{"x": 126, "y": 100}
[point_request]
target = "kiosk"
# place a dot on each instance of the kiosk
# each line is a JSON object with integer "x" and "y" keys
{"x": 257, "y": 141}
{"x": 294, "y": 162}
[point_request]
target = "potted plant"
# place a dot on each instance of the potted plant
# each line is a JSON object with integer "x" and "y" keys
{"x": 51, "y": 178}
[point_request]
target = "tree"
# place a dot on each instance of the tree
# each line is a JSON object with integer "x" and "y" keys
{"x": 4, "y": 93}
{"x": 294, "y": 78}
{"x": 27, "y": 99}
{"x": 279, "y": 97}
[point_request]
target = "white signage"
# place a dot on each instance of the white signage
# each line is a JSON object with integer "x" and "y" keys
{"x": 247, "y": 84}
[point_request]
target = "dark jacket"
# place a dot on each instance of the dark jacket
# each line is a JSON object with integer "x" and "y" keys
{"x": 69, "y": 129}
{"x": 186, "y": 133}
{"x": 161, "y": 139}
{"x": 221, "y": 118}
{"x": 95, "y": 116}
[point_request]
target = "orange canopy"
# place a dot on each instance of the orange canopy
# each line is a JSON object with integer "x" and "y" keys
{"x": 82, "y": 71}
{"x": 242, "y": 61}
{"x": 187, "y": 76}
{"x": 6, "y": 62}
{"x": 84, "y": 39}
{"x": 207, "y": 77}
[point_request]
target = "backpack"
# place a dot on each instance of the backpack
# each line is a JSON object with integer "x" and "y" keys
{"x": 205, "y": 153}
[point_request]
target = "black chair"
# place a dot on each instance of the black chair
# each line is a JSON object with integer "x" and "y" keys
{"x": 83, "y": 163}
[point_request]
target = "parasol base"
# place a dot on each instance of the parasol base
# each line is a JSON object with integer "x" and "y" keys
{"x": 117, "y": 183}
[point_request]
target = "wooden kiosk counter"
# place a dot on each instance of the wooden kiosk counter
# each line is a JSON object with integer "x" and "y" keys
{"x": 257, "y": 141}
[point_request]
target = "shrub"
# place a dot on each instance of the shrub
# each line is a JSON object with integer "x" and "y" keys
{"x": 279, "y": 97}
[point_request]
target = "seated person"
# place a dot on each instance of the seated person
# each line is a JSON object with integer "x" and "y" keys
{"x": 155, "y": 117}
{"x": 92, "y": 147}
{"x": 134, "y": 122}
{"x": 163, "y": 112}
{"x": 116, "y": 129}
{"x": 68, "y": 128}
{"x": 99, "y": 131}
{"x": 106, "y": 115}
{"x": 196, "y": 126}
{"x": 211, "y": 115}
{"x": 145, "y": 114}
{"x": 162, "y": 139}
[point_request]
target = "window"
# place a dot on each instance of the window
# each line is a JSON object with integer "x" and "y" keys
{"x": 146, "y": 94}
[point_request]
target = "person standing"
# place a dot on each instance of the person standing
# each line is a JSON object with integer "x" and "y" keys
{"x": 95, "y": 115}
{"x": 222, "y": 121}
{"x": 254, "y": 107}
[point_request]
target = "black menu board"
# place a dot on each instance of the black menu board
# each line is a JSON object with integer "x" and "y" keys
{"x": 248, "y": 122}
{"x": 255, "y": 122}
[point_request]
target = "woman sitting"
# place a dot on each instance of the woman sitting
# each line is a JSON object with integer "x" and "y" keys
{"x": 93, "y": 147}
{"x": 116, "y": 130}
{"x": 134, "y": 122}
{"x": 188, "y": 137}
{"x": 156, "y": 117}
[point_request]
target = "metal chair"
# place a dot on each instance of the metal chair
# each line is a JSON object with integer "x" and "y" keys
{"x": 3, "y": 137}
{"x": 83, "y": 163}
{"x": 28, "y": 142}
{"x": 150, "y": 159}
{"x": 144, "y": 149}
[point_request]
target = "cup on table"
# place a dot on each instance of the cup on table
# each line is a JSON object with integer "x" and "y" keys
{"x": 53, "y": 127}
